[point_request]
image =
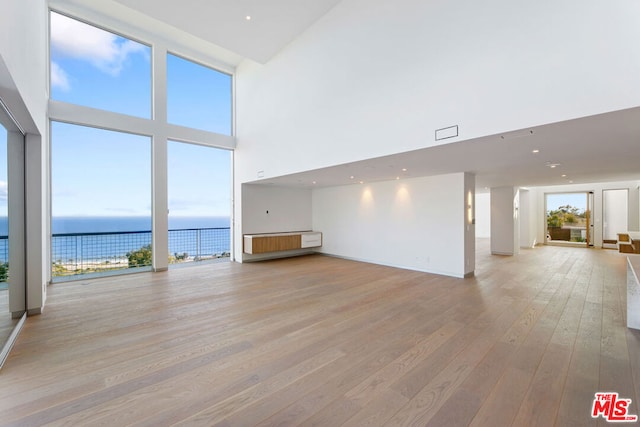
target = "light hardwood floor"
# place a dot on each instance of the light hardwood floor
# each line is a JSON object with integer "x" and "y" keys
{"x": 323, "y": 341}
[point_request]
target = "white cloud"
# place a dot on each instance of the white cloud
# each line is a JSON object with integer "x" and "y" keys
{"x": 102, "y": 49}
{"x": 59, "y": 77}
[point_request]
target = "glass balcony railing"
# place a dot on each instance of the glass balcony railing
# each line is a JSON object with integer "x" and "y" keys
{"x": 102, "y": 252}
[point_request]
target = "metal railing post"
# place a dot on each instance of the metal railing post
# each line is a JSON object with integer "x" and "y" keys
{"x": 198, "y": 256}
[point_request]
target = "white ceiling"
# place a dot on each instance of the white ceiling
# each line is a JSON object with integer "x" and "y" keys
{"x": 593, "y": 149}
{"x": 273, "y": 24}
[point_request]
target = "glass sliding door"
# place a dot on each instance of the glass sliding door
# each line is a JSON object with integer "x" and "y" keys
{"x": 12, "y": 249}
{"x": 568, "y": 218}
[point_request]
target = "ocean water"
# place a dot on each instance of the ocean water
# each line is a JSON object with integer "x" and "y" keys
{"x": 135, "y": 223}
{"x": 64, "y": 224}
{"x": 193, "y": 236}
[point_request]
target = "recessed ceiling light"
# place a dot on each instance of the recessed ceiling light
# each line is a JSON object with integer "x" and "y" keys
{"x": 404, "y": 169}
{"x": 552, "y": 165}
{"x": 248, "y": 17}
{"x": 564, "y": 175}
{"x": 313, "y": 182}
{"x": 397, "y": 177}
{"x": 351, "y": 177}
{"x": 361, "y": 182}
{"x": 536, "y": 151}
{"x": 570, "y": 182}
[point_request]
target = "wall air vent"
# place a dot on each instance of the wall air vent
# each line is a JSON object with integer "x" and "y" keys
{"x": 449, "y": 132}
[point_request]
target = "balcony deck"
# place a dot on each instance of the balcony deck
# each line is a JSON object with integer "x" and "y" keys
{"x": 322, "y": 341}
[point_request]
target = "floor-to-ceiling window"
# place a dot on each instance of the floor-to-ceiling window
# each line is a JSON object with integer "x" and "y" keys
{"x": 199, "y": 203}
{"x": 116, "y": 103}
{"x": 199, "y": 177}
{"x": 101, "y": 200}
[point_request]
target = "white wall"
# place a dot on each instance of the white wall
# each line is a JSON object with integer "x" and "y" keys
{"x": 16, "y": 212}
{"x": 272, "y": 209}
{"x": 23, "y": 48}
{"x": 505, "y": 226}
{"x": 597, "y": 188}
{"x": 514, "y": 229}
{"x": 469, "y": 223}
{"x": 615, "y": 213}
{"x": 23, "y": 87}
{"x": 415, "y": 223}
{"x": 483, "y": 215}
{"x": 527, "y": 212}
{"x": 375, "y": 77}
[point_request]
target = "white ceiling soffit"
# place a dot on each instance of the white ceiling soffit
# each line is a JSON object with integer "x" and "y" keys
{"x": 273, "y": 23}
{"x": 601, "y": 148}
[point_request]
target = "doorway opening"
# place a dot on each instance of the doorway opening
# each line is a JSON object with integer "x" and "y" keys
{"x": 615, "y": 214}
{"x": 568, "y": 219}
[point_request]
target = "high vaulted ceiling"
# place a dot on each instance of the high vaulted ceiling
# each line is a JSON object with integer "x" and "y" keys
{"x": 599, "y": 148}
{"x": 272, "y": 25}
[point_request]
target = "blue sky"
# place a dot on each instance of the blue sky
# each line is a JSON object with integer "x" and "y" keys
{"x": 578, "y": 200}
{"x": 104, "y": 173}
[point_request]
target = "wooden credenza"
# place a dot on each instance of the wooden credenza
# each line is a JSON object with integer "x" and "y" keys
{"x": 276, "y": 242}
